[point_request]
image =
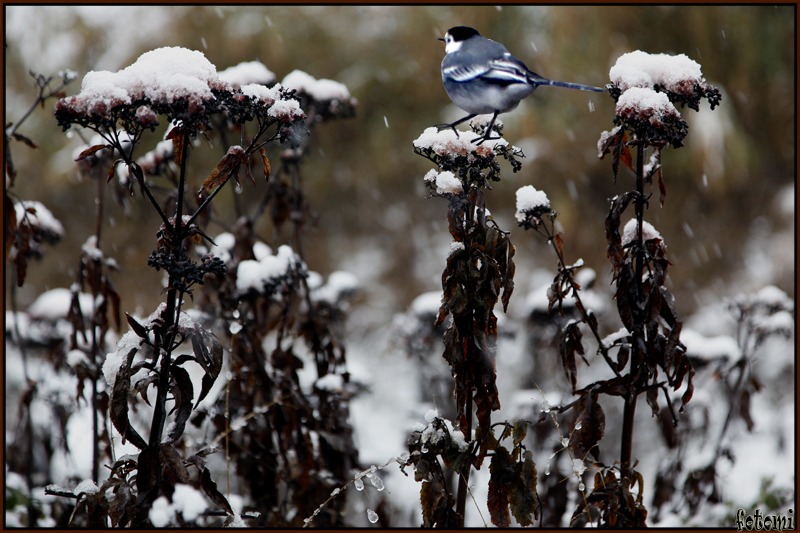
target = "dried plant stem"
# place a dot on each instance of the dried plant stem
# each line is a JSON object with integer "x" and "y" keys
{"x": 164, "y": 345}
{"x": 28, "y": 424}
{"x": 638, "y": 340}
{"x": 95, "y": 355}
{"x": 227, "y": 434}
{"x": 463, "y": 479}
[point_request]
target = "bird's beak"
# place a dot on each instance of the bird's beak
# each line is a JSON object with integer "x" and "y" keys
{"x": 440, "y": 39}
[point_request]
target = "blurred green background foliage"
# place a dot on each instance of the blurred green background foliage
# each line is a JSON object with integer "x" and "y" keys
{"x": 730, "y": 184}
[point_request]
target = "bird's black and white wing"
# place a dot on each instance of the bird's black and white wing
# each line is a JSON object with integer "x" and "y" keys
{"x": 507, "y": 69}
{"x": 464, "y": 72}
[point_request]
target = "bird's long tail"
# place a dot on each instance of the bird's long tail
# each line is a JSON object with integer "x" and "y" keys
{"x": 538, "y": 80}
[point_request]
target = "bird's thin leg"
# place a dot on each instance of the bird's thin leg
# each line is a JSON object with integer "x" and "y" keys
{"x": 488, "y": 132}
{"x": 454, "y": 124}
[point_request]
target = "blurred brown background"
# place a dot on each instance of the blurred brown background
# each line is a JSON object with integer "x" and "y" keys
{"x": 729, "y": 216}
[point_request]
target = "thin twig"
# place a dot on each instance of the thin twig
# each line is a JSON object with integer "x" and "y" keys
{"x": 550, "y": 234}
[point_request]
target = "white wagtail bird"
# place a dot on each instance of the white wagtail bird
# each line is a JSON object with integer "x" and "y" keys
{"x": 481, "y": 77}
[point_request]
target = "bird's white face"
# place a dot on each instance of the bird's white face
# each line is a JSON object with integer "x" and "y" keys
{"x": 450, "y": 44}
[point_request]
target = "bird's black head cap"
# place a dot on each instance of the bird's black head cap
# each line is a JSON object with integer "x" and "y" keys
{"x": 462, "y": 33}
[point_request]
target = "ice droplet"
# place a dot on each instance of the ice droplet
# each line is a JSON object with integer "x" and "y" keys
{"x": 336, "y": 492}
{"x": 564, "y": 441}
{"x": 578, "y": 426}
{"x": 581, "y": 487}
{"x": 376, "y": 481}
{"x": 359, "y": 484}
{"x": 235, "y": 328}
{"x": 235, "y": 313}
{"x": 372, "y": 516}
{"x": 545, "y": 407}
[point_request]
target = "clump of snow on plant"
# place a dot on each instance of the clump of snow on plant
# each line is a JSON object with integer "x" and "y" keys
{"x": 319, "y": 90}
{"x": 678, "y": 74}
{"x": 155, "y": 157}
{"x": 252, "y": 274}
{"x": 646, "y": 104}
{"x": 455, "y": 247}
{"x": 286, "y": 110}
{"x": 90, "y": 248}
{"x": 340, "y": 285}
{"x": 770, "y": 297}
{"x": 87, "y": 486}
{"x": 162, "y": 75}
{"x": 602, "y": 143}
{"x": 709, "y": 348}
{"x": 224, "y": 246}
{"x": 330, "y": 382}
{"x": 618, "y": 335}
{"x": 260, "y": 92}
{"x": 246, "y": 73}
{"x": 145, "y": 115}
{"x": 427, "y": 303}
{"x": 447, "y": 142}
{"x": 530, "y": 199}
{"x": 38, "y": 216}
{"x": 630, "y": 231}
{"x": 55, "y": 304}
{"x": 115, "y": 360}
{"x": 431, "y": 434}
{"x": 446, "y": 182}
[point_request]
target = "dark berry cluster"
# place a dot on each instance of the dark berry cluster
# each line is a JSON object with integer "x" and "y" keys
{"x": 183, "y": 272}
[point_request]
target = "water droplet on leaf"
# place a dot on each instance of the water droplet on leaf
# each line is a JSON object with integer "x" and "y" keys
{"x": 376, "y": 481}
{"x": 372, "y": 516}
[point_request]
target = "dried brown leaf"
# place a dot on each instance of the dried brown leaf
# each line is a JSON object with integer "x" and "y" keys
{"x": 265, "y": 161}
{"x": 211, "y": 490}
{"x": 570, "y": 344}
{"x": 501, "y": 476}
{"x": 652, "y": 400}
{"x": 520, "y": 431}
{"x": 173, "y": 469}
{"x": 23, "y": 244}
{"x": 11, "y": 172}
{"x": 178, "y": 137}
{"x": 208, "y": 352}
{"x": 9, "y": 223}
{"x": 183, "y": 392}
{"x": 522, "y": 495}
{"x": 91, "y": 151}
{"x": 121, "y": 507}
{"x": 119, "y": 403}
{"x": 228, "y": 166}
{"x": 113, "y": 297}
{"x": 589, "y": 416}
{"x": 137, "y": 328}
